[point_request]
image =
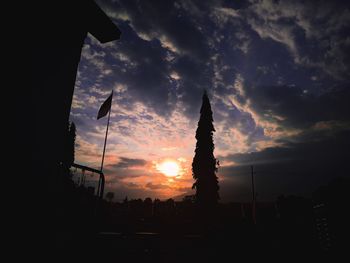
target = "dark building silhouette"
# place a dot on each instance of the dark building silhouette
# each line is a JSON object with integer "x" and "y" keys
{"x": 57, "y": 38}
{"x": 60, "y": 30}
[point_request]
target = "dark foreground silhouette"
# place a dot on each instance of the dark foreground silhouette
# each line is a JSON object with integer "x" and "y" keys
{"x": 63, "y": 27}
{"x": 82, "y": 225}
{"x": 149, "y": 230}
{"x": 58, "y": 35}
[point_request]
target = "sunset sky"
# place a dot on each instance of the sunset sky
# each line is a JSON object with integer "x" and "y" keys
{"x": 277, "y": 75}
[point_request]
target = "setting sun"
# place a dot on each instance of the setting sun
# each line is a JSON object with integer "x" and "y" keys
{"x": 169, "y": 168}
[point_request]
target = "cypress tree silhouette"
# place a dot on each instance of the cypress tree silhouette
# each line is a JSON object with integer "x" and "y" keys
{"x": 204, "y": 165}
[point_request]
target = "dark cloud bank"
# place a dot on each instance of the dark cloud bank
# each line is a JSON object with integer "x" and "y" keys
{"x": 294, "y": 168}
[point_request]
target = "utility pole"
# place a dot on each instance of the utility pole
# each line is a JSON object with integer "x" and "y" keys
{"x": 253, "y": 196}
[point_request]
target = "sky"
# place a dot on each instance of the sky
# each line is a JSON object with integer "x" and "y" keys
{"x": 277, "y": 74}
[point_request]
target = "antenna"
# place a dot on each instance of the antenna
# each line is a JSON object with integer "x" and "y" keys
{"x": 253, "y": 196}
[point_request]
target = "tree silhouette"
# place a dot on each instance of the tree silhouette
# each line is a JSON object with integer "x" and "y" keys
{"x": 69, "y": 148}
{"x": 148, "y": 201}
{"x": 70, "y": 144}
{"x": 204, "y": 165}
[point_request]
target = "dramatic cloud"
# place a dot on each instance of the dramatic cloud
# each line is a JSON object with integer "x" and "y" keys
{"x": 126, "y": 163}
{"x": 277, "y": 73}
{"x": 290, "y": 23}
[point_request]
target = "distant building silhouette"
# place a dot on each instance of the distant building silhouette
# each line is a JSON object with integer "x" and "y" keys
{"x": 331, "y": 215}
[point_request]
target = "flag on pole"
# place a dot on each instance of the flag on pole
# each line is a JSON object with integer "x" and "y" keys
{"x": 105, "y": 107}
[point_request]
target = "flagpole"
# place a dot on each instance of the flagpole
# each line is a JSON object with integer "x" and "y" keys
{"x": 104, "y": 146}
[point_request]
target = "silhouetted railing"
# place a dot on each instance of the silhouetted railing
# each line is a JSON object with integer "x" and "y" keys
{"x": 82, "y": 179}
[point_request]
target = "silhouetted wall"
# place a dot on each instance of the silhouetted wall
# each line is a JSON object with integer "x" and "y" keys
{"x": 57, "y": 37}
